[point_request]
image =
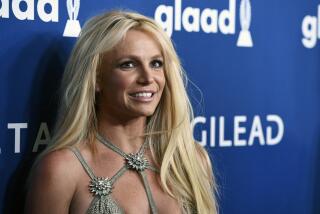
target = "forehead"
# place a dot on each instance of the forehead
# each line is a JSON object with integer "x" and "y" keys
{"x": 139, "y": 43}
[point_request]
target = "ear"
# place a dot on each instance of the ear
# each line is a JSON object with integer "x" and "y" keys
{"x": 98, "y": 89}
{"x": 98, "y": 82}
{"x": 98, "y": 77}
{"x": 97, "y": 86}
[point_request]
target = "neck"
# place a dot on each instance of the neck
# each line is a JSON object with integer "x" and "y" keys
{"x": 122, "y": 133}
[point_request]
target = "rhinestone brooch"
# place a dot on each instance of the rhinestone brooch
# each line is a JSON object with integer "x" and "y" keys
{"x": 100, "y": 186}
{"x": 137, "y": 161}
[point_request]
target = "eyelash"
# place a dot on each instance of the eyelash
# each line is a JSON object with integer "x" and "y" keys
{"x": 160, "y": 62}
{"x": 131, "y": 64}
{"x": 125, "y": 64}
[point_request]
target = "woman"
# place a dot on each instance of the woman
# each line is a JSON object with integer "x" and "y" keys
{"x": 123, "y": 142}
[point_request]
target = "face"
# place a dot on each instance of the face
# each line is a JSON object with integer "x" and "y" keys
{"x": 131, "y": 77}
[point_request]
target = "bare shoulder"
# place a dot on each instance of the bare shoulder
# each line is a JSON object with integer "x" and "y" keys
{"x": 53, "y": 183}
{"x": 57, "y": 166}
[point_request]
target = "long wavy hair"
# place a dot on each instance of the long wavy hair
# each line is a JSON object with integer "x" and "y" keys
{"x": 186, "y": 171}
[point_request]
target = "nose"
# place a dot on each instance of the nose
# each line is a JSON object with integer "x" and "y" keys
{"x": 145, "y": 75}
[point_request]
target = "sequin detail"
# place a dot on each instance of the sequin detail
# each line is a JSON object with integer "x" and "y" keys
{"x": 137, "y": 161}
{"x": 100, "y": 186}
{"x": 104, "y": 205}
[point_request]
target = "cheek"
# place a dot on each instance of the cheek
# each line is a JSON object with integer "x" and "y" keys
{"x": 162, "y": 81}
{"x": 117, "y": 84}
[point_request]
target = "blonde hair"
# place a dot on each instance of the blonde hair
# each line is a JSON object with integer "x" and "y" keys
{"x": 186, "y": 172}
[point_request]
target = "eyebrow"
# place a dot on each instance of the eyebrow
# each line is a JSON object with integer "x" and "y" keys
{"x": 157, "y": 56}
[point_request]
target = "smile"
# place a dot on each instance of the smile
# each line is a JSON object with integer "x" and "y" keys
{"x": 143, "y": 96}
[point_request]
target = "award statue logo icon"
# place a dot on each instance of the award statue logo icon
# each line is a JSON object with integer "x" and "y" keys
{"x": 244, "y": 39}
{"x": 72, "y": 28}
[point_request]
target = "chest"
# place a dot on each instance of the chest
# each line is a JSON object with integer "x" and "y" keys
{"x": 128, "y": 193}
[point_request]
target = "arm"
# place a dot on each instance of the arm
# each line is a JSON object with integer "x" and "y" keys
{"x": 52, "y": 184}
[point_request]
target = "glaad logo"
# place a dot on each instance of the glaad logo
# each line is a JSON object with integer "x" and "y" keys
{"x": 28, "y": 13}
{"x": 25, "y": 10}
{"x": 311, "y": 30}
{"x": 209, "y": 20}
{"x": 72, "y": 28}
{"x": 244, "y": 39}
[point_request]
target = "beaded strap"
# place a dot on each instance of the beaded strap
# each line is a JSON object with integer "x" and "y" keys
{"x": 84, "y": 164}
{"x": 135, "y": 162}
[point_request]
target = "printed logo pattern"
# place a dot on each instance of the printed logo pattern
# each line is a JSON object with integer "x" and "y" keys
{"x": 208, "y": 20}
{"x": 72, "y": 28}
{"x": 310, "y": 28}
{"x": 244, "y": 39}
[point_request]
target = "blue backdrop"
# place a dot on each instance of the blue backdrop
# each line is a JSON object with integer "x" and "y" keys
{"x": 256, "y": 63}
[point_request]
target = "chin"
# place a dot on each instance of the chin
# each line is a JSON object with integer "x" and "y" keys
{"x": 146, "y": 112}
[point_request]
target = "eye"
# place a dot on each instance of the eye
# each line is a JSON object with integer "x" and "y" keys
{"x": 127, "y": 65}
{"x": 157, "y": 63}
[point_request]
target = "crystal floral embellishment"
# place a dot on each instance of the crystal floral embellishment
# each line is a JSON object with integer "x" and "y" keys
{"x": 100, "y": 186}
{"x": 136, "y": 161}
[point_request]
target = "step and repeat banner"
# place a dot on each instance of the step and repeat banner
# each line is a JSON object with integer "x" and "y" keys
{"x": 254, "y": 69}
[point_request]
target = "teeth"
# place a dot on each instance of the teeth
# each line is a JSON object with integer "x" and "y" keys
{"x": 143, "y": 94}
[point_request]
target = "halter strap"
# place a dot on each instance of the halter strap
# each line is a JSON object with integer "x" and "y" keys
{"x": 135, "y": 162}
{"x": 148, "y": 191}
{"x": 115, "y": 148}
{"x": 84, "y": 164}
